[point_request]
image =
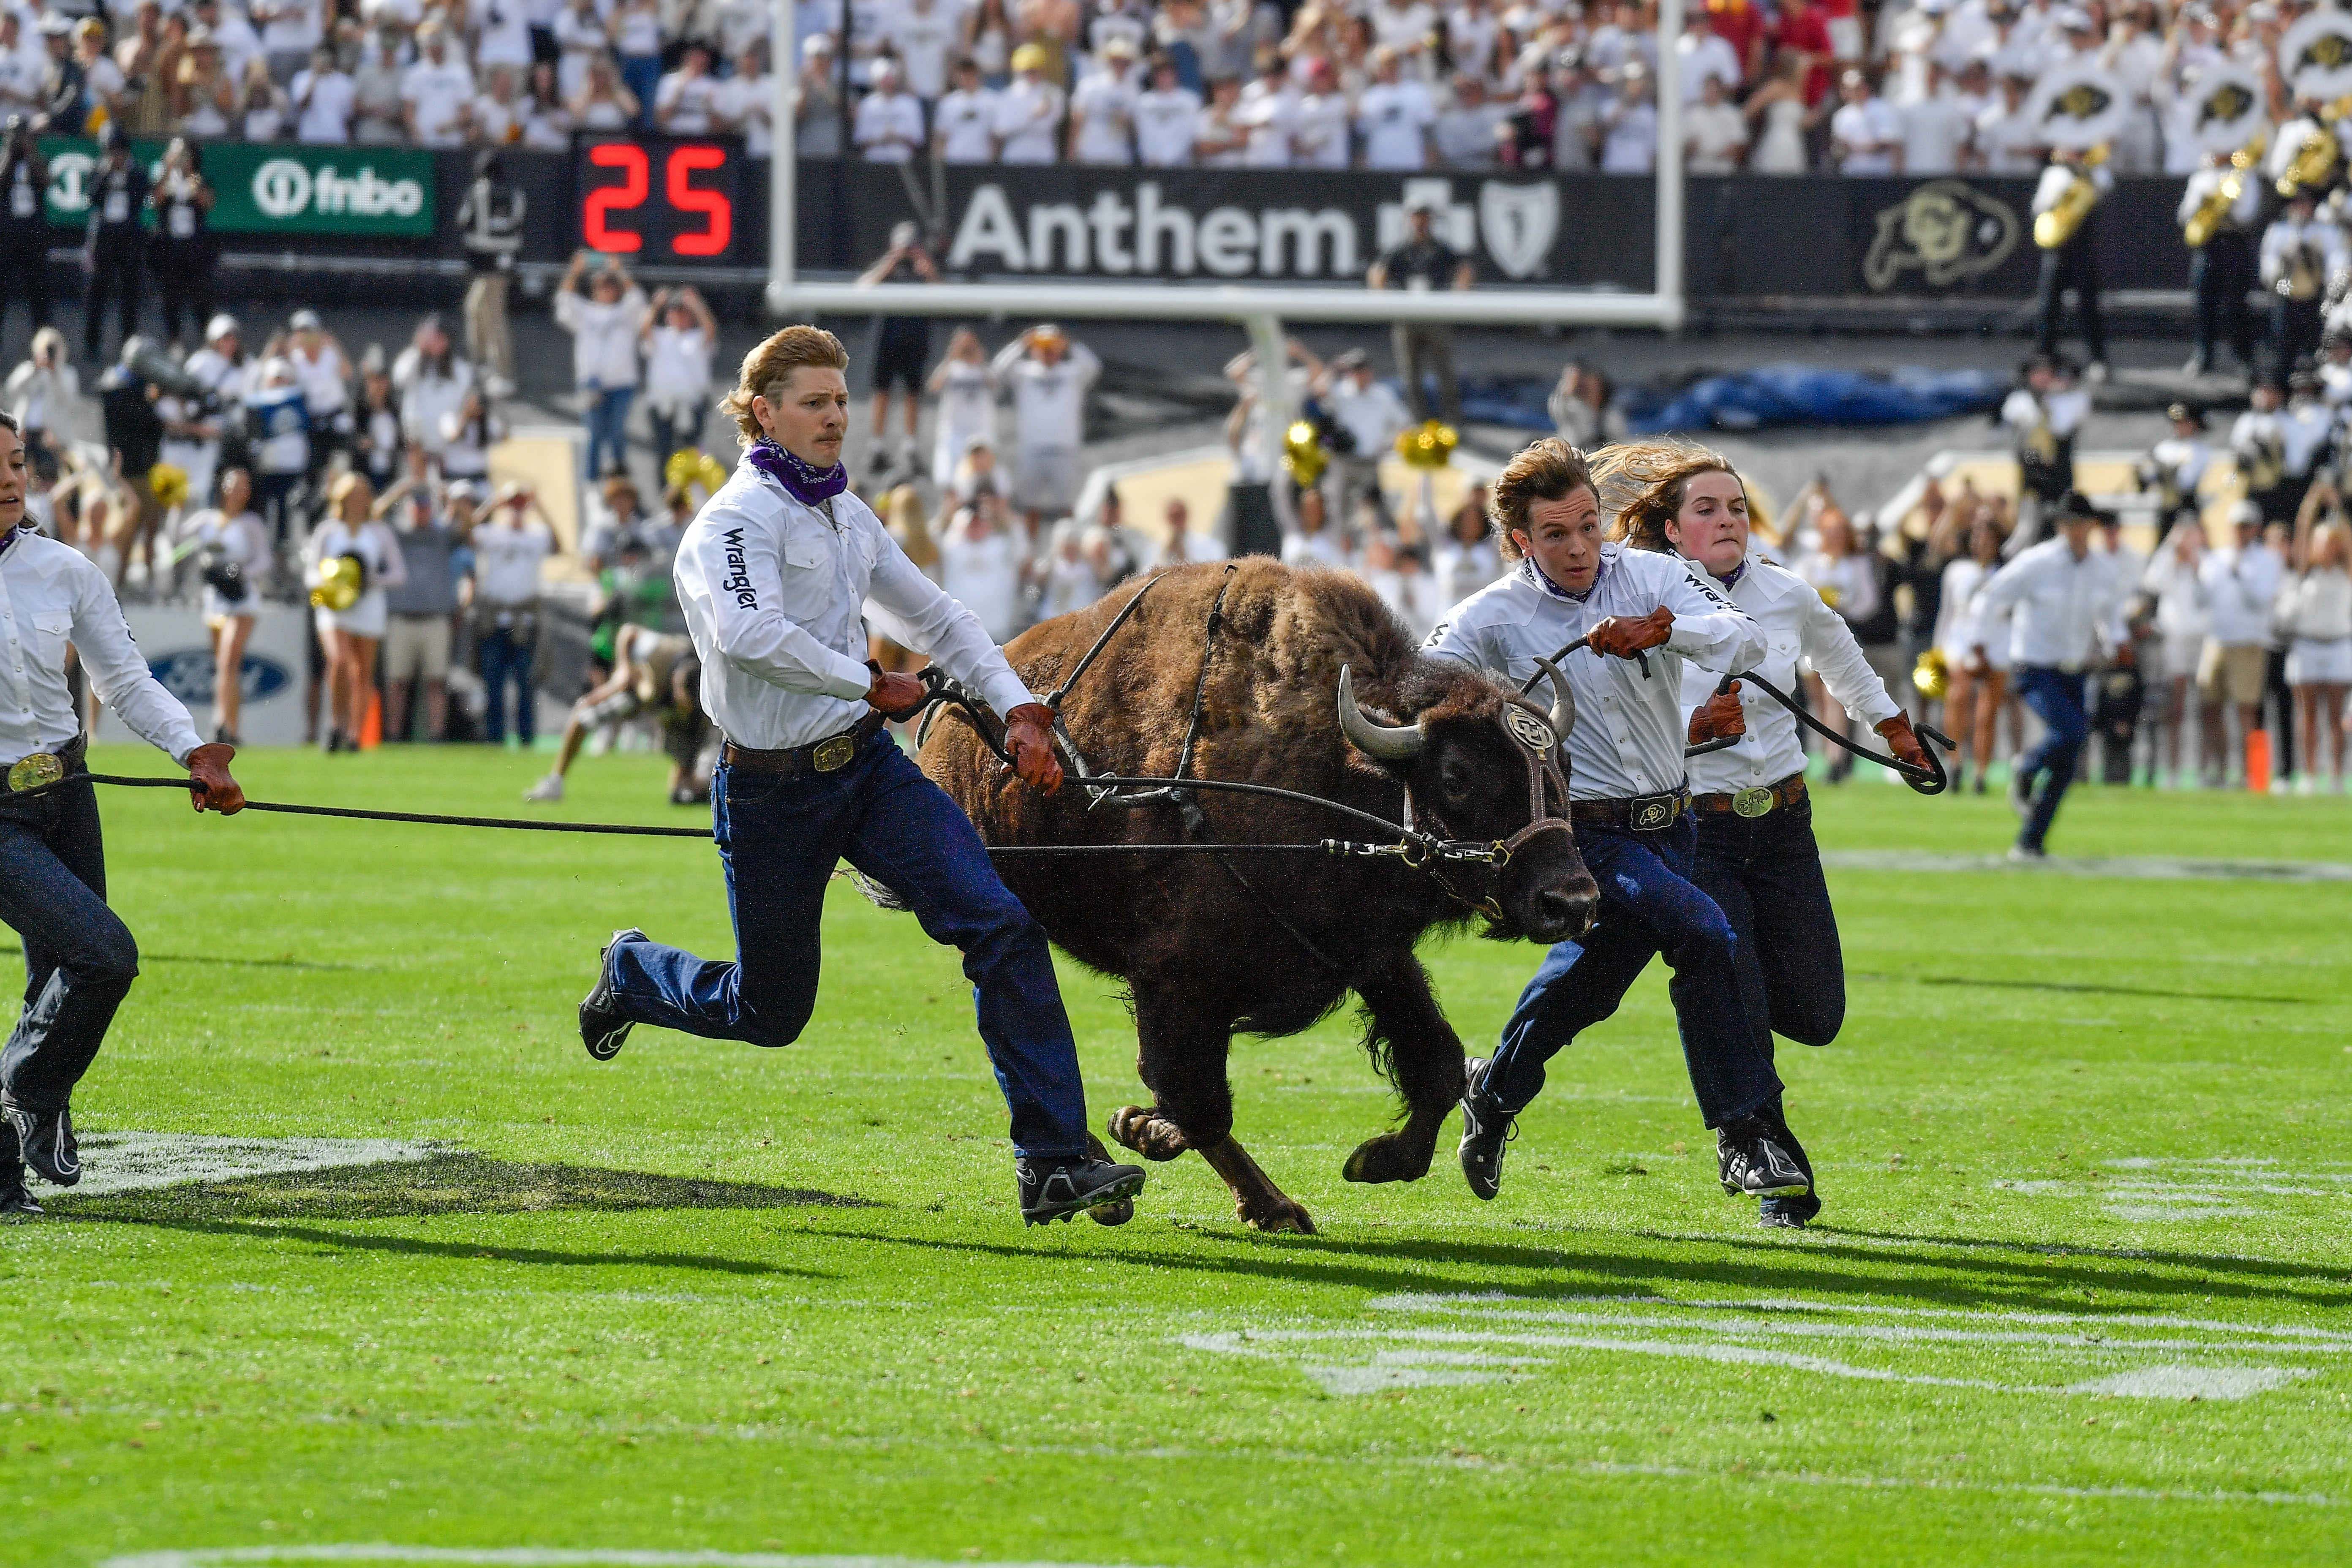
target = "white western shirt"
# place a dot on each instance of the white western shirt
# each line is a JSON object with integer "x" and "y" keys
{"x": 603, "y": 337}
{"x": 771, "y": 591}
{"x": 49, "y": 595}
{"x": 2057, "y": 604}
{"x": 1630, "y": 728}
{"x": 1796, "y": 623}
{"x": 2240, "y": 585}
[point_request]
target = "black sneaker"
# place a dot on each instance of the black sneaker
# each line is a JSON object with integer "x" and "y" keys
{"x": 1791, "y": 1211}
{"x": 602, "y": 1029}
{"x": 2020, "y": 793}
{"x": 1057, "y": 1189}
{"x": 46, "y": 1140}
{"x": 1487, "y": 1128}
{"x": 15, "y": 1201}
{"x": 1753, "y": 1160}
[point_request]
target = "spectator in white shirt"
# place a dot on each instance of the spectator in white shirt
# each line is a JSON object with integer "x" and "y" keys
{"x": 747, "y": 101}
{"x": 889, "y": 125}
{"x": 1629, "y": 127}
{"x": 1102, "y": 109}
{"x": 1028, "y": 111}
{"x": 436, "y": 92}
{"x": 581, "y": 38}
{"x": 1866, "y": 133}
{"x": 1464, "y": 132}
{"x": 981, "y": 566}
{"x": 680, "y": 336}
{"x": 604, "y": 323}
{"x": 963, "y": 126}
{"x": 966, "y": 416}
{"x": 1224, "y": 140}
{"x": 2006, "y": 141}
{"x": 1714, "y": 133}
{"x": 433, "y": 379}
{"x": 1186, "y": 545}
{"x": 503, "y": 37}
{"x": 1048, "y": 375}
{"x": 1374, "y": 417}
{"x": 1394, "y": 115}
{"x": 2241, "y": 587}
{"x": 687, "y": 101}
{"x": 1311, "y": 540}
{"x": 291, "y": 30}
{"x": 1167, "y": 120}
{"x": 1705, "y": 56}
{"x": 323, "y": 100}
{"x": 1937, "y": 128}
{"x": 1268, "y": 112}
{"x": 497, "y": 114}
{"x": 923, "y": 33}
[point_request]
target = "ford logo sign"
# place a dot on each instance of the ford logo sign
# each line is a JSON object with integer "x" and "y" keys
{"x": 187, "y": 673}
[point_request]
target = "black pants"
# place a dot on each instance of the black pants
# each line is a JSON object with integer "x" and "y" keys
{"x": 1424, "y": 349}
{"x": 25, "y": 274}
{"x": 80, "y": 958}
{"x": 2074, "y": 265}
{"x": 2220, "y": 275}
{"x": 2294, "y": 332}
{"x": 186, "y": 284}
{"x": 118, "y": 275}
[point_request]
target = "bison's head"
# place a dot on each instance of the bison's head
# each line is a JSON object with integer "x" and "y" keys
{"x": 1489, "y": 766}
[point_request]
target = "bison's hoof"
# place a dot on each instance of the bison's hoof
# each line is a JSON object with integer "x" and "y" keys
{"x": 1119, "y": 1213}
{"x": 1280, "y": 1216}
{"x": 1388, "y": 1158}
{"x": 1146, "y": 1133}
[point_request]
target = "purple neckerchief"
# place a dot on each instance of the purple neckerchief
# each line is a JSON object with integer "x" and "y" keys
{"x": 803, "y": 481}
{"x": 1537, "y": 575}
{"x": 1737, "y": 573}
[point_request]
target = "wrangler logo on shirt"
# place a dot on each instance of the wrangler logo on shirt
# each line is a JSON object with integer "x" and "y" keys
{"x": 737, "y": 580}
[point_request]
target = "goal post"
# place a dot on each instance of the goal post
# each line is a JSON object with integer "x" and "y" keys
{"x": 791, "y": 294}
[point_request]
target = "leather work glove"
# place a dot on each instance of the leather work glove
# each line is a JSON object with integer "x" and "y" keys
{"x": 210, "y": 786}
{"x": 1622, "y": 637}
{"x": 1718, "y": 716}
{"x": 895, "y": 697}
{"x": 1029, "y": 737}
{"x": 1903, "y": 742}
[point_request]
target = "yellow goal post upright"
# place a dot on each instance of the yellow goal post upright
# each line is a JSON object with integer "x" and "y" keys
{"x": 1261, "y": 308}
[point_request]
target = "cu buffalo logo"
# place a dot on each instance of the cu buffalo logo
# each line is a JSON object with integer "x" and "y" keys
{"x": 2327, "y": 52}
{"x": 2226, "y": 105}
{"x": 187, "y": 673}
{"x": 1532, "y": 732}
{"x": 2083, "y": 102}
{"x": 1945, "y": 231}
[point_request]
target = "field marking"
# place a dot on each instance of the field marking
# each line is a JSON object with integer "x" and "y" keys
{"x": 1510, "y": 1338}
{"x": 135, "y": 1161}
{"x": 2150, "y": 867}
{"x": 2213, "y": 1189}
{"x": 534, "y": 1557}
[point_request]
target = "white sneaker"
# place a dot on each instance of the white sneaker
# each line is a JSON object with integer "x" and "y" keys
{"x": 550, "y": 788}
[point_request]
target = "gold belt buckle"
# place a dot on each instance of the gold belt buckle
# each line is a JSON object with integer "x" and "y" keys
{"x": 833, "y": 753}
{"x": 34, "y": 771}
{"x": 1754, "y": 801}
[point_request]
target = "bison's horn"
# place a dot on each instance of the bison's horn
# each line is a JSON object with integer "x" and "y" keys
{"x": 1399, "y": 743}
{"x": 1563, "y": 701}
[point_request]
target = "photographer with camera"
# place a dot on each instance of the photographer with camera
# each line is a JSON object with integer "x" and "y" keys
{"x": 182, "y": 256}
{"x": 114, "y": 251}
{"x": 24, "y": 226}
{"x": 233, "y": 557}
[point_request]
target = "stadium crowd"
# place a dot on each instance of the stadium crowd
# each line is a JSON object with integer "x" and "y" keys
{"x": 1924, "y": 87}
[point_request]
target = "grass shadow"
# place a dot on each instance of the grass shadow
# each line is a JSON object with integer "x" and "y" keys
{"x": 451, "y": 1183}
{"x": 2083, "y": 987}
{"x": 287, "y": 962}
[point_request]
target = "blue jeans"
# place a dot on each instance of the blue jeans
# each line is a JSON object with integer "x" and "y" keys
{"x": 505, "y": 660}
{"x": 778, "y": 841}
{"x": 1764, "y": 874}
{"x": 642, "y": 74}
{"x": 608, "y": 431}
{"x": 1648, "y": 906}
{"x": 2056, "y": 699}
{"x": 80, "y": 958}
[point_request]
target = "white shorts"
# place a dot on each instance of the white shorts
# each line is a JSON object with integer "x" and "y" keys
{"x": 416, "y": 647}
{"x": 2181, "y": 652}
{"x": 1045, "y": 479}
{"x": 2315, "y": 663}
{"x": 365, "y": 619}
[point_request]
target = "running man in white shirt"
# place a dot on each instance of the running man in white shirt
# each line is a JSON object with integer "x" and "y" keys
{"x": 79, "y": 958}
{"x": 775, "y": 575}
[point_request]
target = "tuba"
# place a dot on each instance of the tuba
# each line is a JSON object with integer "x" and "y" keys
{"x": 2053, "y": 228}
{"x": 2215, "y": 209}
{"x": 2315, "y": 161}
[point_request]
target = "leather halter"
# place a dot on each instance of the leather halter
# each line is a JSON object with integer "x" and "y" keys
{"x": 1530, "y": 733}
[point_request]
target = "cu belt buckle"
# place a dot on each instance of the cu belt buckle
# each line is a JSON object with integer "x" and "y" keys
{"x": 833, "y": 752}
{"x": 1755, "y": 801}
{"x": 36, "y": 771}
{"x": 1652, "y": 814}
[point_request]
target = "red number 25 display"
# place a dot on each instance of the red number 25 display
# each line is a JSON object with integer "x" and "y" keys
{"x": 658, "y": 201}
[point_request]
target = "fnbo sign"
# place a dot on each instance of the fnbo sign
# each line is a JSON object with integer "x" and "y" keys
{"x": 274, "y": 189}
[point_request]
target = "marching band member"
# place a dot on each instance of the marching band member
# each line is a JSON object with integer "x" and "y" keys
{"x": 2222, "y": 270}
{"x": 1757, "y": 858}
{"x": 1629, "y": 798}
{"x": 2306, "y": 428}
{"x": 2044, "y": 415}
{"x": 79, "y": 958}
{"x": 2074, "y": 265}
{"x": 2300, "y": 253}
{"x": 2060, "y": 596}
{"x": 2258, "y": 444}
{"x": 772, "y": 575}
{"x": 2176, "y": 466}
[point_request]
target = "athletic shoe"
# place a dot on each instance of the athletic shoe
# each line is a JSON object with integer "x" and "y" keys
{"x": 550, "y": 788}
{"x": 2028, "y": 854}
{"x": 1487, "y": 1129}
{"x": 47, "y": 1140}
{"x": 1751, "y": 1159}
{"x": 15, "y": 1200}
{"x": 2021, "y": 791}
{"x": 1057, "y": 1189}
{"x": 602, "y": 1029}
{"x": 1792, "y": 1211}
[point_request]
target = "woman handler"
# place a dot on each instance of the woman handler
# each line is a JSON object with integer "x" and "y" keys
{"x": 1641, "y": 617}
{"x": 1757, "y": 858}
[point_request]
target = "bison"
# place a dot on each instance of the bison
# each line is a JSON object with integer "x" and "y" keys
{"x": 1266, "y": 944}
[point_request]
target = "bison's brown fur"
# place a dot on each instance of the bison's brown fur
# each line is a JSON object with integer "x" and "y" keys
{"x": 1201, "y": 956}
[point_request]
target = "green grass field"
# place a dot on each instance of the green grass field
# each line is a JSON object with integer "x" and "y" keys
{"x": 2079, "y": 1294}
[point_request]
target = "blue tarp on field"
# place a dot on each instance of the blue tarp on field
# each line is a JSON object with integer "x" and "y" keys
{"x": 1753, "y": 399}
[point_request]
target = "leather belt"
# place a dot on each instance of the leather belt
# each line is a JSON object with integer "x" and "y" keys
{"x": 1639, "y": 814}
{"x": 37, "y": 768}
{"x": 1761, "y": 800}
{"x": 829, "y": 756}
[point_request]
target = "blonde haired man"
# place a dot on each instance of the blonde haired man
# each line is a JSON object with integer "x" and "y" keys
{"x": 773, "y": 575}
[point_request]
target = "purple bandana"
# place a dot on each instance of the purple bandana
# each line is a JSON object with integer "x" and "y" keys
{"x": 803, "y": 481}
{"x": 1541, "y": 579}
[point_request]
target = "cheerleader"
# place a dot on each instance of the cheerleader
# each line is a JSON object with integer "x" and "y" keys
{"x": 2316, "y": 610}
{"x": 2183, "y": 621}
{"x": 234, "y": 554}
{"x": 1975, "y": 651}
{"x": 351, "y": 635}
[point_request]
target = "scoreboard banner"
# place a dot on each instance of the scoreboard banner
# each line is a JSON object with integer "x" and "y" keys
{"x": 273, "y": 188}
